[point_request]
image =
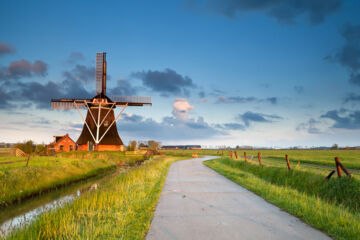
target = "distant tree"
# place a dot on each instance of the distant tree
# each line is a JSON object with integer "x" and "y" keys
{"x": 142, "y": 145}
{"x": 237, "y": 147}
{"x": 27, "y": 147}
{"x": 335, "y": 146}
{"x": 40, "y": 149}
{"x": 153, "y": 145}
{"x": 132, "y": 146}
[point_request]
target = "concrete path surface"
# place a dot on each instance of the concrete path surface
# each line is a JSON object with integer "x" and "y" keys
{"x": 198, "y": 203}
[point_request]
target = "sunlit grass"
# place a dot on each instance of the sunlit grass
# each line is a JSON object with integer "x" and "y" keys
{"x": 18, "y": 181}
{"x": 120, "y": 209}
{"x": 331, "y": 206}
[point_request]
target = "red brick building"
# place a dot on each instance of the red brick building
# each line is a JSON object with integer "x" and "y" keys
{"x": 61, "y": 144}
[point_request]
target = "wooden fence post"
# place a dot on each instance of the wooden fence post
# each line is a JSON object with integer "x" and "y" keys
{"x": 235, "y": 155}
{"x": 344, "y": 169}
{"x": 245, "y": 157}
{"x": 338, "y": 168}
{"x": 330, "y": 174}
{"x": 287, "y": 161}
{"x": 259, "y": 158}
{"x": 231, "y": 154}
{"x": 28, "y": 159}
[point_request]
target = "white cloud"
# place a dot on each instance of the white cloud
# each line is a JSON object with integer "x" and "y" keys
{"x": 181, "y": 109}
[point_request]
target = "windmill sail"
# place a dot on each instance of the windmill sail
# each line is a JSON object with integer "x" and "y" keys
{"x": 64, "y": 103}
{"x": 100, "y": 74}
{"x": 131, "y": 100}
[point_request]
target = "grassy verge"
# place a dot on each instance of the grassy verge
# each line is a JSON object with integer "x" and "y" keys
{"x": 331, "y": 206}
{"x": 120, "y": 209}
{"x": 43, "y": 173}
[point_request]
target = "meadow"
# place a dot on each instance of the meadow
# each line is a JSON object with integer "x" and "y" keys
{"x": 119, "y": 209}
{"x": 123, "y": 207}
{"x": 18, "y": 181}
{"x": 329, "y": 205}
{"x": 349, "y": 158}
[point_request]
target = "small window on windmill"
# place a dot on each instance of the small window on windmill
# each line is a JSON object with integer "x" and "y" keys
{"x": 106, "y": 123}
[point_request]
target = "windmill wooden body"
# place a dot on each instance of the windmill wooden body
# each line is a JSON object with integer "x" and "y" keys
{"x": 99, "y": 131}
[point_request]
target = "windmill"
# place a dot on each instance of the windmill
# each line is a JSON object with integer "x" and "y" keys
{"x": 99, "y": 131}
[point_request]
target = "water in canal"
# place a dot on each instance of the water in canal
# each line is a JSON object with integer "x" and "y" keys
{"x": 19, "y": 215}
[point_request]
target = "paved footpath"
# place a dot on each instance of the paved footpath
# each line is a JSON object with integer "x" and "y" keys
{"x": 198, "y": 203}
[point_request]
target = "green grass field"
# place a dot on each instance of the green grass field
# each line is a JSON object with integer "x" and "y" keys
{"x": 123, "y": 207}
{"x": 120, "y": 209}
{"x": 18, "y": 181}
{"x": 5, "y": 151}
{"x": 349, "y": 158}
{"x": 331, "y": 206}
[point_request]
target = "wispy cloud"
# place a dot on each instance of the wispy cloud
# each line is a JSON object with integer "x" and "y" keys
{"x": 352, "y": 97}
{"x": 349, "y": 54}
{"x": 310, "y": 126}
{"x": 299, "y": 89}
{"x": 231, "y": 126}
{"x": 167, "y": 82}
{"x": 5, "y": 97}
{"x": 225, "y": 99}
{"x": 6, "y": 48}
{"x": 75, "y": 57}
{"x": 343, "y": 118}
{"x": 250, "y": 117}
{"x": 283, "y": 11}
{"x": 124, "y": 88}
{"x": 23, "y": 68}
{"x": 80, "y": 73}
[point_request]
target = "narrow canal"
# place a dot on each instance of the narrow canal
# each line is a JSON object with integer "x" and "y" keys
{"x": 19, "y": 215}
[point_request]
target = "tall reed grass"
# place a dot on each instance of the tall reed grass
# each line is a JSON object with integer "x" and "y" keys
{"x": 120, "y": 209}
{"x": 18, "y": 181}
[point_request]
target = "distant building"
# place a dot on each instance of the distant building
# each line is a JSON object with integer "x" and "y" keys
{"x": 6, "y": 145}
{"x": 61, "y": 144}
{"x": 183, "y": 147}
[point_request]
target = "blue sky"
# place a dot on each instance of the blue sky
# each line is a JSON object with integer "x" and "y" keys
{"x": 261, "y": 73}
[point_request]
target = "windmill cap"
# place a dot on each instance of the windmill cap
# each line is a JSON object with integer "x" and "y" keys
{"x": 102, "y": 96}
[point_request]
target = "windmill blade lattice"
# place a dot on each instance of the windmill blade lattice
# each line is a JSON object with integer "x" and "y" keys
{"x": 132, "y": 100}
{"x": 64, "y": 104}
{"x": 100, "y": 73}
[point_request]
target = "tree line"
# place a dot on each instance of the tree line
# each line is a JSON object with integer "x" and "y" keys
{"x": 151, "y": 145}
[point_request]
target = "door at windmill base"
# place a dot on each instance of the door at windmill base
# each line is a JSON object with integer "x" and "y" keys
{"x": 91, "y": 146}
